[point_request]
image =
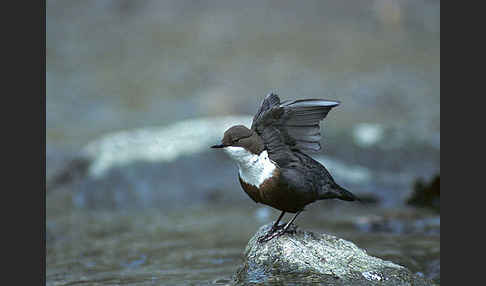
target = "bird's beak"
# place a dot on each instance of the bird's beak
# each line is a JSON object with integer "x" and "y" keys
{"x": 218, "y": 146}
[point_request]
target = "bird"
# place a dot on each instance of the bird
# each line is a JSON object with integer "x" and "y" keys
{"x": 274, "y": 165}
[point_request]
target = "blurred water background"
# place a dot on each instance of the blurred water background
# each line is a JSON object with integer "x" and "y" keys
{"x": 154, "y": 76}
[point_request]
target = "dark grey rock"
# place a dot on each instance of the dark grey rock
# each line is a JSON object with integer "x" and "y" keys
{"x": 426, "y": 194}
{"x": 308, "y": 257}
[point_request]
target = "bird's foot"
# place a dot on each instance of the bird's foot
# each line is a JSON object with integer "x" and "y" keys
{"x": 274, "y": 232}
{"x": 276, "y": 228}
{"x": 270, "y": 235}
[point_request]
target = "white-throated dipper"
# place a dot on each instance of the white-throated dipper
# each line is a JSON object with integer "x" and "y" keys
{"x": 273, "y": 168}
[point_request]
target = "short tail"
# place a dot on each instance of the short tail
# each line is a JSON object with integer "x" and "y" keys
{"x": 340, "y": 193}
{"x": 347, "y": 195}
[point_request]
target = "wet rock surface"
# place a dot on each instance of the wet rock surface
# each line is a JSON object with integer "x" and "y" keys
{"x": 308, "y": 257}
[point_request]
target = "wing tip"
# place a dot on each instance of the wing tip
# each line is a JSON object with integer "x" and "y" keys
{"x": 314, "y": 102}
{"x": 335, "y": 102}
{"x": 324, "y": 102}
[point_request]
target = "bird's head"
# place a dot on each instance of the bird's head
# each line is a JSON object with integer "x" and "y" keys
{"x": 239, "y": 137}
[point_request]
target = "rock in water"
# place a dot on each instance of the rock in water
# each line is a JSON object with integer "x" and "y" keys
{"x": 306, "y": 257}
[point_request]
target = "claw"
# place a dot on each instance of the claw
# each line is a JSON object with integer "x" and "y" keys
{"x": 272, "y": 233}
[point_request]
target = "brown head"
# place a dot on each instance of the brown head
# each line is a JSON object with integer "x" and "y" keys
{"x": 240, "y": 136}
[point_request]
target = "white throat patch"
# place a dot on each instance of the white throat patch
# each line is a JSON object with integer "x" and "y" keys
{"x": 253, "y": 169}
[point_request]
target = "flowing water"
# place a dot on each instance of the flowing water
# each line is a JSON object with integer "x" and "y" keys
{"x": 203, "y": 245}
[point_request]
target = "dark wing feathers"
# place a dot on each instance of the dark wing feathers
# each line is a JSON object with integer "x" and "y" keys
{"x": 293, "y": 123}
{"x": 269, "y": 101}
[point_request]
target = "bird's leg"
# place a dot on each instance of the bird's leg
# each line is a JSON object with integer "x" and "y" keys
{"x": 273, "y": 229}
{"x": 275, "y": 225}
{"x": 286, "y": 227}
{"x": 279, "y": 232}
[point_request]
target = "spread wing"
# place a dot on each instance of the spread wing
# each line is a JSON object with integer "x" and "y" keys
{"x": 291, "y": 124}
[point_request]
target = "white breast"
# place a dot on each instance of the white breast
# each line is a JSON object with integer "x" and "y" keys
{"x": 253, "y": 169}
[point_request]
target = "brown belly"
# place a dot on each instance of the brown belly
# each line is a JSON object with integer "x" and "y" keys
{"x": 275, "y": 194}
